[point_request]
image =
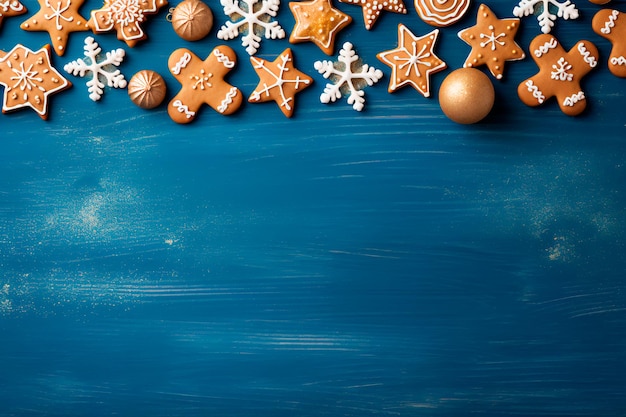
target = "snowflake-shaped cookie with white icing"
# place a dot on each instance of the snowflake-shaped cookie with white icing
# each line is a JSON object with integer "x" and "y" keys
{"x": 98, "y": 68}
{"x": 348, "y": 74}
{"x": 546, "y": 8}
{"x": 253, "y": 18}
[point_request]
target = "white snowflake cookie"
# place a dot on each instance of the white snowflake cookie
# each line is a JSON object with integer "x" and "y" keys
{"x": 346, "y": 73}
{"x": 546, "y": 8}
{"x": 253, "y": 18}
{"x": 99, "y": 70}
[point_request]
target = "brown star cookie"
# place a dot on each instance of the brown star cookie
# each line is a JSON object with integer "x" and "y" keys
{"x": 59, "y": 18}
{"x": 279, "y": 81}
{"x": 560, "y": 74}
{"x": 611, "y": 24}
{"x": 10, "y": 8}
{"x": 492, "y": 41}
{"x": 413, "y": 61}
{"x": 319, "y": 22}
{"x": 124, "y": 16}
{"x": 28, "y": 79}
{"x": 202, "y": 83}
{"x": 372, "y": 9}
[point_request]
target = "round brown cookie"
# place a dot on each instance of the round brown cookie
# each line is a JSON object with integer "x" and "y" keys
{"x": 147, "y": 89}
{"x": 192, "y": 20}
{"x": 466, "y": 95}
{"x": 441, "y": 12}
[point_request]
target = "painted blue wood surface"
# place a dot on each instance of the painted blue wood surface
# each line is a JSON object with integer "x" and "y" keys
{"x": 385, "y": 263}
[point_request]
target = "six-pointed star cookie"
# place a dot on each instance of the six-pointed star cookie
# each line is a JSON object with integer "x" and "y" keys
{"x": 124, "y": 16}
{"x": 59, "y": 18}
{"x": 413, "y": 61}
{"x": 317, "y": 21}
{"x": 372, "y": 9}
{"x": 492, "y": 41}
{"x": 202, "y": 83}
{"x": 279, "y": 81}
{"x": 560, "y": 74}
{"x": 611, "y": 24}
{"x": 28, "y": 79}
{"x": 10, "y": 8}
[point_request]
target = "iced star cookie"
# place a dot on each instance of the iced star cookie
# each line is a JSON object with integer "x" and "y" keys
{"x": 492, "y": 41}
{"x": 59, "y": 18}
{"x": 441, "y": 12}
{"x": 611, "y": 24}
{"x": 373, "y": 8}
{"x": 10, "y": 8}
{"x": 279, "y": 81}
{"x": 29, "y": 78}
{"x": 125, "y": 17}
{"x": 202, "y": 83}
{"x": 413, "y": 61}
{"x": 319, "y": 22}
{"x": 560, "y": 74}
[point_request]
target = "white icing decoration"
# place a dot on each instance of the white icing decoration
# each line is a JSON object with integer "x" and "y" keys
{"x": 537, "y": 94}
{"x": 16, "y": 6}
{"x": 492, "y": 39}
{"x": 546, "y": 47}
{"x": 223, "y": 59}
{"x": 573, "y": 99}
{"x": 544, "y": 9}
{"x": 227, "y": 100}
{"x": 57, "y": 13}
{"x": 618, "y": 60}
{"x": 279, "y": 81}
{"x": 128, "y": 14}
{"x": 201, "y": 80}
{"x": 560, "y": 70}
{"x": 183, "y": 109}
{"x": 182, "y": 63}
{"x": 610, "y": 24}
{"x": 441, "y": 12}
{"x": 587, "y": 57}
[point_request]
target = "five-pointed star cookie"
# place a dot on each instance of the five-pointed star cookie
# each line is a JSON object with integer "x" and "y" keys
{"x": 279, "y": 81}
{"x": 317, "y": 21}
{"x": 202, "y": 83}
{"x": 372, "y": 9}
{"x": 492, "y": 41}
{"x": 59, "y": 18}
{"x": 413, "y": 61}
{"x": 560, "y": 74}
{"x": 10, "y": 8}
{"x": 28, "y": 79}
{"x": 124, "y": 16}
{"x": 611, "y": 24}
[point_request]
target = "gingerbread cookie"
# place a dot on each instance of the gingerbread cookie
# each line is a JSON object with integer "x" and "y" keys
{"x": 372, "y": 9}
{"x": 147, "y": 89}
{"x": 599, "y": 1}
{"x": 492, "y": 41}
{"x": 319, "y": 22}
{"x": 441, "y": 12}
{"x": 192, "y": 20}
{"x": 560, "y": 74}
{"x": 611, "y": 24}
{"x": 10, "y": 8}
{"x": 58, "y": 18}
{"x": 413, "y": 61}
{"x": 202, "y": 83}
{"x": 125, "y": 17}
{"x": 279, "y": 81}
{"x": 29, "y": 78}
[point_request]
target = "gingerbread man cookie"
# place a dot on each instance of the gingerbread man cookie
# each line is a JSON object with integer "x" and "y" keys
{"x": 492, "y": 41}
{"x": 202, "y": 83}
{"x": 560, "y": 74}
{"x": 10, "y": 8}
{"x": 319, "y": 22}
{"x": 611, "y": 24}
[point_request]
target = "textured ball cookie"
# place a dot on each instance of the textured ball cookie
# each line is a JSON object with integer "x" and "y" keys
{"x": 192, "y": 20}
{"x": 466, "y": 95}
{"x": 147, "y": 89}
{"x": 441, "y": 12}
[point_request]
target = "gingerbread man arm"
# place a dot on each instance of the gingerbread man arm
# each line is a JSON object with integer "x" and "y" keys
{"x": 611, "y": 24}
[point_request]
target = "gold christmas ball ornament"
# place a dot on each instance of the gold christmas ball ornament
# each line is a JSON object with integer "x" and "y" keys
{"x": 147, "y": 89}
{"x": 192, "y": 20}
{"x": 466, "y": 95}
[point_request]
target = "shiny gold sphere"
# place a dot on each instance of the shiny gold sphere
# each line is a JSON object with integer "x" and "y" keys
{"x": 466, "y": 95}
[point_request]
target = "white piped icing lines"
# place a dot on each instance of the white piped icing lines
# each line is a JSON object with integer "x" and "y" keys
{"x": 441, "y": 12}
{"x": 611, "y": 24}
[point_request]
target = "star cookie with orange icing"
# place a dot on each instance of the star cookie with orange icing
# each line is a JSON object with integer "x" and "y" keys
{"x": 10, "y": 8}
{"x": 125, "y": 17}
{"x": 319, "y": 22}
{"x": 413, "y": 61}
{"x": 373, "y": 8}
{"x": 59, "y": 18}
{"x": 492, "y": 41}
{"x": 28, "y": 79}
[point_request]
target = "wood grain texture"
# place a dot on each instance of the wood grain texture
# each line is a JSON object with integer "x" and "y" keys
{"x": 388, "y": 262}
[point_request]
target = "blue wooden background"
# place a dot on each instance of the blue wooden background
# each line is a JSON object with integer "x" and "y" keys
{"x": 383, "y": 263}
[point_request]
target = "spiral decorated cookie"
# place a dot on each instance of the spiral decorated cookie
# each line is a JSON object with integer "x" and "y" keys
{"x": 441, "y": 12}
{"x": 611, "y": 24}
{"x": 192, "y": 20}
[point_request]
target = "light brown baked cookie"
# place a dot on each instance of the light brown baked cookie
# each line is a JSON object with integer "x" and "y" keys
{"x": 147, "y": 89}
{"x": 441, "y": 13}
{"x": 611, "y": 24}
{"x": 29, "y": 78}
{"x": 319, "y": 22}
{"x": 10, "y": 8}
{"x": 373, "y": 8}
{"x": 192, "y": 20}
{"x": 560, "y": 74}
{"x": 599, "y": 1}
{"x": 203, "y": 83}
